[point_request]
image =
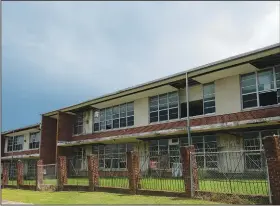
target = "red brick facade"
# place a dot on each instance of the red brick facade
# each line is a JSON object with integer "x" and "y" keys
{"x": 133, "y": 171}
{"x": 65, "y": 126}
{"x": 20, "y": 172}
{"x": 26, "y": 152}
{"x": 93, "y": 173}
{"x": 40, "y": 175}
{"x": 181, "y": 124}
{"x": 61, "y": 172}
{"x": 189, "y": 167}
{"x": 5, "y": 173}
{"x": 272, "y": 152}
{"x": 48, "y": 147}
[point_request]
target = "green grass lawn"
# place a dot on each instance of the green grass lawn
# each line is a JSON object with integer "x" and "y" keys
{"x": 246, "y": 187}
{"x": 70, "y": 197}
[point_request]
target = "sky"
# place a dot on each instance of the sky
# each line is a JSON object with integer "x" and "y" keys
{"x": 56, "y": 54}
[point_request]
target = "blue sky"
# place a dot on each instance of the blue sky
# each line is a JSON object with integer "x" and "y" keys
{"x": 56, "y": 54}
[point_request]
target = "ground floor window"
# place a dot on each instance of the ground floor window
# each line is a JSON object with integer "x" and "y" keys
{"x": 252, "y": 144}
{"x": 112, "y": 156}
{"x": 31, "y": 168}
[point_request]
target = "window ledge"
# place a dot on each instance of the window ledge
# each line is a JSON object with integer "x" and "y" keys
{"x": 200, "y": 116}
{"x": 162, "y": 122}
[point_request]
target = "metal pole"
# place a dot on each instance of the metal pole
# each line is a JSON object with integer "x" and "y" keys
{"x": 188, "y": 112}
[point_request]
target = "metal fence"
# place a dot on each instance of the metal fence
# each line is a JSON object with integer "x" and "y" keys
{"x": 240, "y": 173}
{"x": 113, "y": 170}
{"x": 29, "y": 175}
{"x": 77, "y": 171}
{"x": 50, "y": 174}
{"x": 12, "y": 171}
{"x": 161, "y": 171}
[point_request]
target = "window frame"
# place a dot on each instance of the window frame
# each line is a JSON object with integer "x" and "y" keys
{"x": 168, "y": 107}
{"x": 113, "y": 118}
{"x": 36, "y": 143}
{"x": 205, "y": 85}
{"x": 15, "y": 141}
{"x": 104, "y": 156}
{"x": 258, "y": 92}
{"x": 79, "y": 122}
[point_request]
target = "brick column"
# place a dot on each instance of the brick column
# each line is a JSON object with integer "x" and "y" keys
{"x": 272, "y": 153}
{"x": 61, "y": 172}
{"x": 5, "y": 173}
{"x": 93, "y": 172}
{"x": 39, "y": 174}
{"x": 20, "y": 170}
{"x": 133, "y": 171}
{"x": 190, "y": 176}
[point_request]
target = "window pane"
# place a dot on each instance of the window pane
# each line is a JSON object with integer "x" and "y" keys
{"x": 153, "y": 116}
{"x": 123, "y": 110}
{"x": 209, "y": 104}
{"x": 116, "y": 112}
{"x": 116, "y": 123}
{"x": 163, "y": 115}
{"x": 123, "y": 122}
{"x": 251, "y": 141}
{"x": 96, "y": 116}
{"x": 102, "y": 115}
{"x": 250, "y": 100}
{"x": 96, "y": 127}
{"x": 130, "y": 121}
{"x": 209, "y": 110}
{"x": 247, "y": 77}
{"x": 277, "y": 73}
{"x": 173, "y": 113}
{"x": 249, "y": 89}
{"x": 173, "y": 97}
{"x": 265, "y": 80}
{"x": 163, "y": 99}
{"x": 209, "y": 89}
{"x": 130, "y": 109}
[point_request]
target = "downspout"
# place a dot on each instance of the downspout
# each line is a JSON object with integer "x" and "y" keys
{"x": 188, "y": 112}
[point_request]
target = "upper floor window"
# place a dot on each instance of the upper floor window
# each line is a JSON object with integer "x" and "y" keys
{"x": 34, "y": 140}
{"x": 114, "y": 117}
{"x": 112, "y": 156}
{"x": 15, "y": 143}
{"x": 164, "y": 107}
{"x": 209, "y": 105}
{"x": 261, "y": 88}
{"x": 79, "y": 123}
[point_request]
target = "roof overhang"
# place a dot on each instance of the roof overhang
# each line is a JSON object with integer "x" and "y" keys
{"x": 35, "y": 127}
{"x": 235, "y": 61}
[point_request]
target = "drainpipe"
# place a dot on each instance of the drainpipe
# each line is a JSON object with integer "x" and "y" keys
{"x": 188, "y": 112}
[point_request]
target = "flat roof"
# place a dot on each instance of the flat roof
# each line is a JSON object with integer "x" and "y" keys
{"x": 189, "y": 71}
{"x": 33, "y": 126}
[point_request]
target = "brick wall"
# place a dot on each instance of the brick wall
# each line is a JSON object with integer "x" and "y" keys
{"x": 65, "y": 126}
{"x": 20, "y": 172}
{"x": 27, "y": 152}
{"x": 272, "y": 153}
{"x": 48, "y": 140}
{"x": 2, "y": 145}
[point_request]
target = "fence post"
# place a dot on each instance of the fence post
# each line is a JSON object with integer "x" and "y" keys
{"x": 272, "y": 152}
{"x": 189, "y": 167}
{"x": 39, "y": 174}
{"x": 133, "y": 171}
{"x": 20, "y": 170}
{"x": 5, "y": 173}
{"x": 93, "y": 172}
{"x": 61, "y": 172}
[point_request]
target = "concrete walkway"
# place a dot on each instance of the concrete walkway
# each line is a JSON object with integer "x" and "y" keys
{"x": 6, "y": 202}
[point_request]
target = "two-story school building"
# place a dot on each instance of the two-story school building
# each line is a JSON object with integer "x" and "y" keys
{"x": 227, "y": 105}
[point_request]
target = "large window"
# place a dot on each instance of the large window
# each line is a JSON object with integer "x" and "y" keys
{"x": 79, "y": 124}
{"x": 209, "y": 105}
{"x": 112, "y": 156}
{"x": 31, "y": 168}
{"x": 261, "y": 88}
{"x": 164, "y": 107}
{"x": 252, "y": 145}
{"x": 206, "y": 148}
{"x": 15, "y": 143}
{"x": 114, "y": 117}
{"x": 164, "y": 153}
{"x": 34, "y": 140}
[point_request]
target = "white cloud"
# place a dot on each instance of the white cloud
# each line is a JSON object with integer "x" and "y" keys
{"x": 92, "y": 48}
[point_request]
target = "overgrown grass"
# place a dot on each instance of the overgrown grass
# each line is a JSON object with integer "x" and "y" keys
{"x": 71, "y": 197}
{"x": 245, "y": 187}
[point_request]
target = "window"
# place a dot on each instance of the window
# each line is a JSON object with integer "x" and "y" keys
{"x": 79, "y": 160}
{"x": 12, "y": 170}
{"x": 252, "y": 144}
{"x": 112, "y": 156}
{"x": 34, "y": 140}
{"x": 209, "y": 98}
{"x": 31, "y": 169}
{"x": 164, "y": 107}
{"x": 79, "y": 124}
{"x": 164, "y": 152}
{"x": 205, "y": 147}
{"x": 15, "y": 143}
{"x": 114, "y": 117}
{"x": 261, "y": 88}
{"x": 206, "y": 105}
